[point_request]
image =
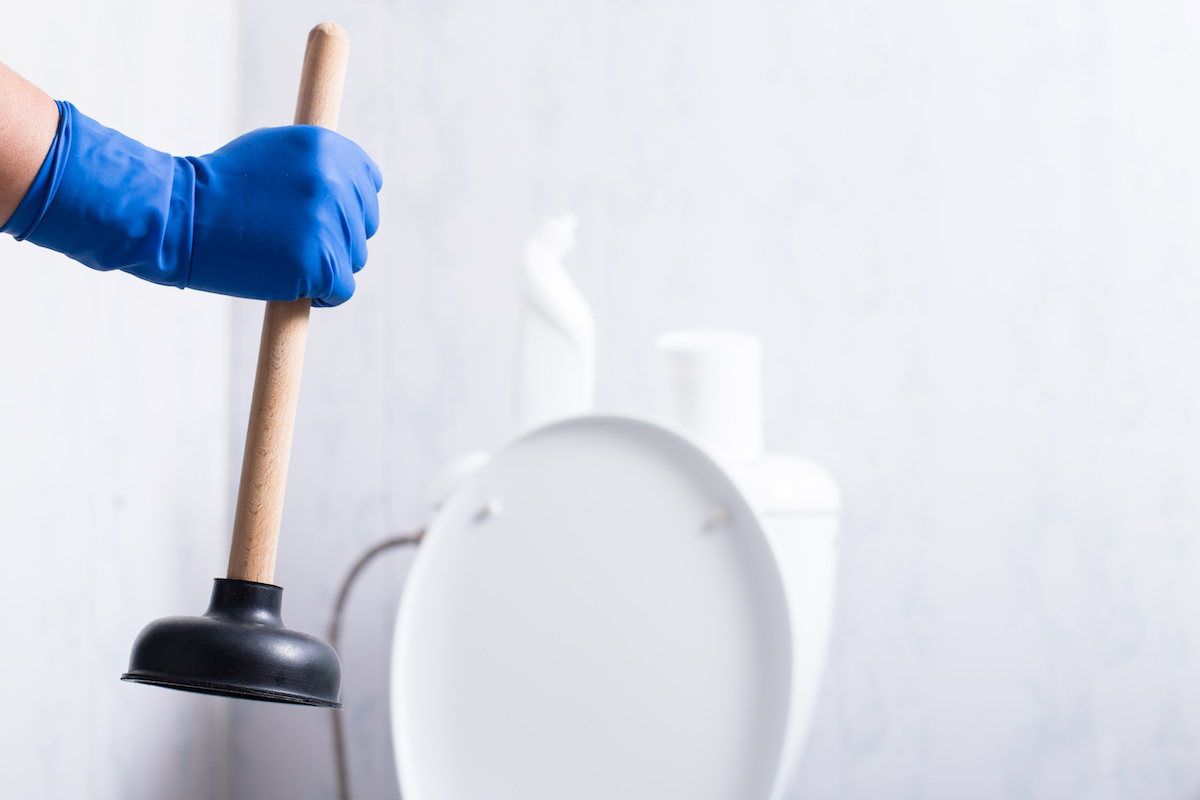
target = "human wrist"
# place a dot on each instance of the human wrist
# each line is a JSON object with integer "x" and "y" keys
{"x": 110, "y": 202}
{"x": 29, "y": 211}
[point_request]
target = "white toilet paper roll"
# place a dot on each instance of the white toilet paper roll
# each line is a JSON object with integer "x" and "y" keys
{"x": 713, "y": 390}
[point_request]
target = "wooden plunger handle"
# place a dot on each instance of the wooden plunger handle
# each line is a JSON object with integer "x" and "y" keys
{"x": 281, "y": 351}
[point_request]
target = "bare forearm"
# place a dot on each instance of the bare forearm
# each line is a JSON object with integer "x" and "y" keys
{"x": 28, "y": 121}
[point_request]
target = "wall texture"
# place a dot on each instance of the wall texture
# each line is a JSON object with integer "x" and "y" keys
{"x": 966, "y": 235}
{"x": 114, "y": 402}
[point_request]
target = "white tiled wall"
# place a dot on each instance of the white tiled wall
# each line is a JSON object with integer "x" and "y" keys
{"x": 114, "y": 398}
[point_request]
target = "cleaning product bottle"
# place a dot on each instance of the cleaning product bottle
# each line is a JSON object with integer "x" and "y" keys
{"x": 556, "y": 350}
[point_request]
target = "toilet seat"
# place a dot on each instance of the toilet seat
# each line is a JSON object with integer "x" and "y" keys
{"x": 595, "y": 614}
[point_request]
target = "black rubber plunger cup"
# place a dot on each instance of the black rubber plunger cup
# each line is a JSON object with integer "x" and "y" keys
{"x": 239, "y": 647}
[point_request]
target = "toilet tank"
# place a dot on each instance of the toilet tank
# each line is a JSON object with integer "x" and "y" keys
{"x": 799, "y": 504}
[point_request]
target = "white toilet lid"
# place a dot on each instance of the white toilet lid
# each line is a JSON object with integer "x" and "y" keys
{"x": 595, "y": 615}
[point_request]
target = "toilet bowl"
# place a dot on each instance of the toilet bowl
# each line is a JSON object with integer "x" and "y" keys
{"x": 603, "y": 610}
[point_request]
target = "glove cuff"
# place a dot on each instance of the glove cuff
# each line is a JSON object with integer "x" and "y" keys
{"x": 110, "y": 202}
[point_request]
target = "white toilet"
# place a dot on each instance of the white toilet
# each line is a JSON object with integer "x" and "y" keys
{"x": 601, "y": 612}
{"x": 611, "y": 607}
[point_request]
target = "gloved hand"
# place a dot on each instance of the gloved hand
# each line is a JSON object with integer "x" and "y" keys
{"x": 277, "y": 214}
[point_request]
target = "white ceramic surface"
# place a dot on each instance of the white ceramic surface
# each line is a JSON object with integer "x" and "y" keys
{"x": 799, "y": 505}
{"x": 596, "y": 614}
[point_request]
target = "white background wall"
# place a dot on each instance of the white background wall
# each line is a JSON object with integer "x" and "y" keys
{"x": 964, "y": 232}
{"x": 114, "y": 398}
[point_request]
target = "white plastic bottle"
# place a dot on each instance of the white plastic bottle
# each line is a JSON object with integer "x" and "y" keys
{"x": 556, "y": 351}
{"x": 556, "y": 346}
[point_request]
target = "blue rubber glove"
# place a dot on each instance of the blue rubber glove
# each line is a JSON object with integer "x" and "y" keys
{"x": 277, "y": 214}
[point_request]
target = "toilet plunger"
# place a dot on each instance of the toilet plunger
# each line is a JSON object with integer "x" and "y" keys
{"x": 239, "y": 647}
